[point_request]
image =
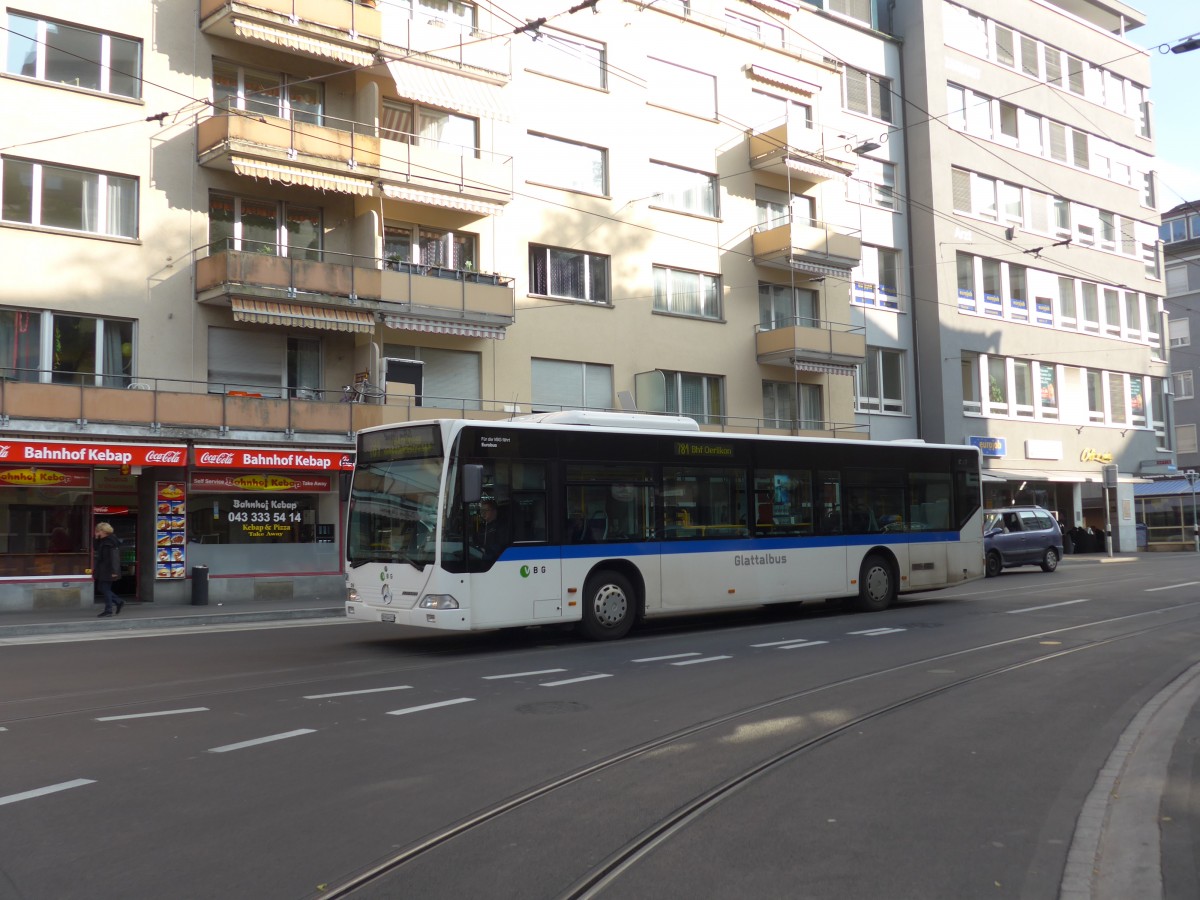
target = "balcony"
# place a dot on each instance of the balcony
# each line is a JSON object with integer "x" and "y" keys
{"x": 341, "y": 292}
{"x": 417, "y": 169}
{"x": 797, "y": 152}
{"x": 346, "y": 31}
{"x": 459, "y": 48}
{"x": 805, "y": 245}
{"x": 809, "y": 345}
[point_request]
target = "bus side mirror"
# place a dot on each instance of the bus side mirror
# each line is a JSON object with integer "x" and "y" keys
{"x": 472, "y": 483}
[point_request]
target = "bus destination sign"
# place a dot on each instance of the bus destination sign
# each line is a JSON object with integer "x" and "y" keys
{"x": 400, "y": 443}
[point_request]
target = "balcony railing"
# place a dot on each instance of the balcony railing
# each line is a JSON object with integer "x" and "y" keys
{"x": 347, "y": 31}
{"x": 811, "y": 345}
{"x": 792, "y": 149}
{"x": 806, "y": 245}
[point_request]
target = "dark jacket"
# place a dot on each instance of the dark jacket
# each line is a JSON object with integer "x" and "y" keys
{"x": 107, "y": 566}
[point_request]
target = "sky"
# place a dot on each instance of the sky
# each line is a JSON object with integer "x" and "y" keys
{"x": 1176, "y": 118}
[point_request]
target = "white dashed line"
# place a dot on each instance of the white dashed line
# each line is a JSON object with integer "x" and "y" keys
{"x": 780, "y": 643}
{"x": 661, "y": 658}
{"x": 41, "y": 792}
{"x": 692, "y": 662}
{"x": 875, "y": 632}
{"x": 805, "y": 644}
{"x": 398, "y": 687}
{"x": 413, "y": 709}
{"x": 523, "y": 674}
{"x": 573, "y": 680}
{"x": 263, "y": 740}
{"x": 149, "y": 715}
{"x": 1047, "y": 606}
{"x": 1171, "y": 587}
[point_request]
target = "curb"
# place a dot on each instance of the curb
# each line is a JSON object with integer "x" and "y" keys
{"x": 181, "y": 622}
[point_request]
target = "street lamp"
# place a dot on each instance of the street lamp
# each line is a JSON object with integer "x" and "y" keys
{"x": 1192, "y": 477}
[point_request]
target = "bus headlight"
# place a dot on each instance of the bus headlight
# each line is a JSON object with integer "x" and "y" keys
{"x": 351, "y": 594}
{"x": 438, "y": 601}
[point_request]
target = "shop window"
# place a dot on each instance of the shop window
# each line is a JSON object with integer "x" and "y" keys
{"x": 248, "y": 519}
{"x": 46, "y": 530}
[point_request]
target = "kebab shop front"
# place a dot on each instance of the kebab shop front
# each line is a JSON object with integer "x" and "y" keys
{"x": 263, "y": 520}
{"x": 52, "y": 493}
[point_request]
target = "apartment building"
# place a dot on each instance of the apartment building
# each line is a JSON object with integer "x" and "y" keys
{"x": 1037, "y": 282}
{"x": 221, "y": 219}
{"x": 1180, "y": 234}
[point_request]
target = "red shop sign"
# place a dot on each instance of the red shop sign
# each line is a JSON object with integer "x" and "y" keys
{"x": 276, "y": 458}
{"x": 62, "y": 453}
{"x": 260, "y": 482}
{"x": 40, "y": 476}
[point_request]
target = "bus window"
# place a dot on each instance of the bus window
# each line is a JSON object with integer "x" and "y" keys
{"x": 705, "y": 503}
{"x": 929, "y": 497}
{"x": 783, "y": 502}
{"x": 608, "y": 503}
{"x": 831, "y": 502}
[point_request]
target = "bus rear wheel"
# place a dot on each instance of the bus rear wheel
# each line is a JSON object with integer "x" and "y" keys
{"x": 877, "y": 589}
{"x": 609, "y": 606}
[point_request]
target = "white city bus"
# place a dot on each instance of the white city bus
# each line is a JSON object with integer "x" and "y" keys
{"x": 602, "y": 519}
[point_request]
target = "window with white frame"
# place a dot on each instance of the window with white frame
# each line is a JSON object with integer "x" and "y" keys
{"x": 568, "y": 165}
{"x": 1180, "y": 332}
{"x": 414, "y": 248}
{"x": 254, "y": 225}
{"x": 1184, "y": 385}
{"x": 445, "y": 131}
{"x": 880, "y": 381}
{"x": 787, "y": 405}
{"x": 972, "y": 398}
{"x": 764, "y": 107}
{"x": 1185, "y": 439}
{"x": 870, "y": 95}
{"x": 686, "y": 293}
{"x": 998, "y": 391}
{"x": 267, "y": 93}
{"x": 453, "y": 12}
{"x": 566, "y": 384}
{"x": 775, "y": 208}
{"x": 567, "y": 57}
{"x": 756, "y": 29}
{"x": 785, "y": 306}
{"x": 682, "y": 89}
{"x": 700, "y": 396}
{"x": 75, "y": 56}
{"x": 80, "y": 200}
{"x": 880, "y": 271}
{"x": 568, "y": 274}
{"x": 684, "y": 190}
{"x": 1172, "y": 230}
{"x": 1118, "y": 393}
{"x": 1094, "y": 382}
{"x": 40, "y": 345}
{"x": 854, "y": 9}
{"x": 875, "y": 184}
{"x": 450, "y": 379}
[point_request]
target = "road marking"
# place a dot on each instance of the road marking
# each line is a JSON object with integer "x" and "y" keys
{"x": 1047, "y": 606}
{"x": 692, "y": 662}
{"x": 780, "y": 643}
{"x": 263, "y": 740}
{"x": 1171, "y": 587}
{"x": 523, "y": 674}
{"x": 573, "y": 680}
{"x": 875, "y": 632}
{"x": 413, "y": 709}
{"x": 661, "y": 658}
{"x": 41, "y": 792}
{"x": 805, "y": 644}
{"x": 165, "y": 712}
{"x": 398, "y": 687}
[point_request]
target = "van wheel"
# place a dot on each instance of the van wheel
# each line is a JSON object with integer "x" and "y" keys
{"x": 609, "y": 606}
{"x": 877, "y": 589}
{"x": 1050, "y": 560}
{"x": 994, "y": 564}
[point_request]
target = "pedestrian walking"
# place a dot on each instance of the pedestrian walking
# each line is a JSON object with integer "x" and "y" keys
{"x": 106, "y": 567}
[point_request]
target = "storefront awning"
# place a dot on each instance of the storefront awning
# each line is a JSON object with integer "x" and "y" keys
{"x": 802, "y": 365}
{"x": 1060, "y": 477}
{"x": 447, "y": 90}
{"x": 780, "y": 80}
{"x": 302, "y": 42}
{"x": 296, "y": 175}
{"x": 448, "y": 201}
{"x": 445, "y": 326}
{"x": 268, "y": 312}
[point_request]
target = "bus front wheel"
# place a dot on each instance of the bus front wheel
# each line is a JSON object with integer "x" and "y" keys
{"x": 609, "y": 606}
{"x": 877, "y": 589}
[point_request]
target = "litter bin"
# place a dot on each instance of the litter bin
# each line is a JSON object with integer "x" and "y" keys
{"x": 199, "y": 585}
{"x": 1143, "y": 535}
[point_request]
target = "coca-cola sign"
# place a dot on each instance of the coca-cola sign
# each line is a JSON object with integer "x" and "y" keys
{"x": 276, "y": 458}
{"x": 80, "y": 454}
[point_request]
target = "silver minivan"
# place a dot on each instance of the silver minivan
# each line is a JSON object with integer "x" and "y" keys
{"x": 1020, "y": 536}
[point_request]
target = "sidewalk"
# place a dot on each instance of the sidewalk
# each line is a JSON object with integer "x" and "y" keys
{"x": 143, "y": 616}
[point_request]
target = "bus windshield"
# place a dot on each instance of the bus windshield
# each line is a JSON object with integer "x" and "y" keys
{"x": 393, "y": 512}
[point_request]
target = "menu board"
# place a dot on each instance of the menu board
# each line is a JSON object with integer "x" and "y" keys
{"x": 170, "y": 530}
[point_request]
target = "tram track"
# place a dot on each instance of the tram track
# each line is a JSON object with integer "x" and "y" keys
{"x": 605, "y": 873}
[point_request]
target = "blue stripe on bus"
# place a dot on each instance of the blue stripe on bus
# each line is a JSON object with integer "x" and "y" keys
{"x": 738, "y": 545}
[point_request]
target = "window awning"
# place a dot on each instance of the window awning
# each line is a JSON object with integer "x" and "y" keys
{"x": 779, "y": 80}
{"x": 447, "y": 90}
{"x": 816, "y": 169}
{"x": 803, "y": 365}
{"x": 801, "y": 265}
{"x": 302, "y": 42}
{"x": 295, "y": 175}
{"x": 449, "y": 201}
{"x": 268, "y": 312}
{"x": 445, "y": 326}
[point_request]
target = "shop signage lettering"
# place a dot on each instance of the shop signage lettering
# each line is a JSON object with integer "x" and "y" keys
{"x": 270, "y": 458}
{"x": 92, "y": 454}
{"x": 993, "y": 447}
{"x": 260, "y": 519}
{"x": 29, "y": 476}
{"x": 229, "y": 482}
{"x": 1100, "y": 456}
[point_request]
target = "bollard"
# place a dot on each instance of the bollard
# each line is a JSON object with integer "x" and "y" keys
{"x": 199, "y": 585}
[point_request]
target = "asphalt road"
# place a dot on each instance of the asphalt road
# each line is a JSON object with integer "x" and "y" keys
{"x": 946, "y": 748}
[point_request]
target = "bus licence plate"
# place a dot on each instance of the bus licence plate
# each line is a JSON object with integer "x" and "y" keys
{"x": 387, "y": 617}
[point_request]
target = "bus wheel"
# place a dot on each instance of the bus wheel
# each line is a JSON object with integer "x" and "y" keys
{"x": 609, "y": 606}
{"x": 876, "y": 585}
